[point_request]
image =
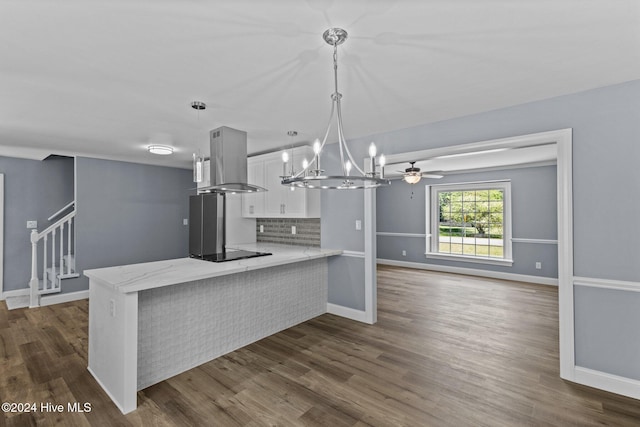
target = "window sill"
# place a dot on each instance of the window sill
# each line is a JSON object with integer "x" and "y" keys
{"x": 464, "y": 258}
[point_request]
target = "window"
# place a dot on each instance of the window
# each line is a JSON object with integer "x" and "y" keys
{"x": 470, "y": 222}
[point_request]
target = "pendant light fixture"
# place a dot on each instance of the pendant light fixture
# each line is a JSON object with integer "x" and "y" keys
{"x": 198, "y": 160}
{"x": 312, "y": 176}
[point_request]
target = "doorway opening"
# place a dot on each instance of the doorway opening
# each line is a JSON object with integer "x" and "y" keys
{"x": 561, "y": 143}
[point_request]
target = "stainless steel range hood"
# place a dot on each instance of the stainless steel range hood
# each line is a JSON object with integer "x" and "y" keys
{"x": 228, "y": 162}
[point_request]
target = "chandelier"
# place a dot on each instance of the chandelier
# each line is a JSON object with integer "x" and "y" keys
{"x": 312, "y": 175}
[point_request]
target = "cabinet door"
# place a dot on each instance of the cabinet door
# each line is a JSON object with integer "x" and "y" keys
{"x": 295, "y": 202}
{"x": 253, "y": 203}
{"x": 275, "y": 198}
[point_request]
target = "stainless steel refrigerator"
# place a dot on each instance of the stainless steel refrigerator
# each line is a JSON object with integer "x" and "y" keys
{"x": 206, "y": 224}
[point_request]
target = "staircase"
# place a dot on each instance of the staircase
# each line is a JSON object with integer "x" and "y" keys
{"x": 58, "y": 263}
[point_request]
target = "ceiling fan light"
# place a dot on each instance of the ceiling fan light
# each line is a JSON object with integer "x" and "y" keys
{"x": 161, "y": 150}
{"x": 412, "y": 177}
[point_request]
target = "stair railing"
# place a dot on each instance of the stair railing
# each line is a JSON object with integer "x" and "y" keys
{"x": 66, "y": 207}
{"x": 53, "y": 285}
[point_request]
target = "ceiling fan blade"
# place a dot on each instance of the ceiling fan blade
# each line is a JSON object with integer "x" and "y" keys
{"x": 432, "y": 175}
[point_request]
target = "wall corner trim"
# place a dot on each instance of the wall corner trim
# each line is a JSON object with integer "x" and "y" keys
{"x": 347, "y": 312}
{"x": 608, "y": 382}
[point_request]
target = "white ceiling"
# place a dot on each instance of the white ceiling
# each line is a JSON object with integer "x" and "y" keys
{"x": 107, "y": 78}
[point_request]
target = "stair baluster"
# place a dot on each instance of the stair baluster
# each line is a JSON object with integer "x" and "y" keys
{"x": 44, "y": 266}
{"x": 57, "y": 280}
{"x": 53, "y": 258}
{"x": 69, "y": 247}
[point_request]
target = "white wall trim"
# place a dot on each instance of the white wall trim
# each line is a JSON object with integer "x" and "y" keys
{"x": 507, "y": 167}
{"x": 354, "y": 254}
{"x": 15, "y": 293}
{"x": 472, "y": 272}
{"x": 619, "y": 285}
{"x": 538, "y": 241}
{"x": 468, "y": 258}
{"x": 387, "y": 233}
{"x": 549, "y": 137}
{"x": 608, "y": 382}
{"x": 564, "y": 182}
{"x": 349, "y": 313}
{"x": 62, "y": 298}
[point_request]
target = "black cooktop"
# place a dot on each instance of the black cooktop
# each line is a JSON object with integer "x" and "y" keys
{"x": 230, "y": 255}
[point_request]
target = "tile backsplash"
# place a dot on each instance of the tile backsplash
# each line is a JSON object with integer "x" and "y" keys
{"x": 278, "y": 230}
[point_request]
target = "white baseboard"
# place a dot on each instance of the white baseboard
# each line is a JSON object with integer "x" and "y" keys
{"x": 608, "y": 382}
{"x": 15, "y": 293}
{"x": 472, "y": 272}
{"x": 349, "y": 313}
{"x": 61, "y": 298}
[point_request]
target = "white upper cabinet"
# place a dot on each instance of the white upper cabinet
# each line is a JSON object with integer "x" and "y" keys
{"x": 253, "y": 203}
{"x": 279, "y": 201}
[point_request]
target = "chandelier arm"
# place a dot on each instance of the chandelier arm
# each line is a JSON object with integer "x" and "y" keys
{"x": 346, "y": 147}
{"x": 341, "y": 143}
{"x": 324, "y": 140}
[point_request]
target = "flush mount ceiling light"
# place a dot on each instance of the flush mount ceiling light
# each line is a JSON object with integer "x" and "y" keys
{"x": 161, "y": 150}
{"x": 312, "y": 175}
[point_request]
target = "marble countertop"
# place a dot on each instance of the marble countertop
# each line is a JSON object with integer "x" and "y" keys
{"x": 149, "y": 275}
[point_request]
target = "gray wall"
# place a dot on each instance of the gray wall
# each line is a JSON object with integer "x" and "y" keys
{"x": 34, "y": 190}
{"x": 338, "y": 214}
{"x": 401, "y": 209}
{"x": 607, "y": 336}
{"x": 128, "y": 213}
{"x": 605, "y": 155}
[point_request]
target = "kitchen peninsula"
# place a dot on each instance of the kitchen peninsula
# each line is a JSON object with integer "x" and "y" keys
{"x": 151, "y": 321}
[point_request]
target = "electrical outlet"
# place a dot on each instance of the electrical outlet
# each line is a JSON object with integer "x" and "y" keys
{"x": 32, "y": 224}
{"x": 293, "y": 229}
{"x": 404, "y": 253}
{"x": 538, "y": 265}
{"x": 358, "y": 224}
{"x": 261, "y": 228}
{"x": 112, "y": 307}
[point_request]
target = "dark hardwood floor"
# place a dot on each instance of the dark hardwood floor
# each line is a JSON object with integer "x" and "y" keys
{"x": 447, "y": 350}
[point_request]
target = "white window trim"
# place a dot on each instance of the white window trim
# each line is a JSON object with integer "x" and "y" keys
{"x": 431, "y": 249}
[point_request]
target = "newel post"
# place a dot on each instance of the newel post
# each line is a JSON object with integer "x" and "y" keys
{"x": 33, "y": 283}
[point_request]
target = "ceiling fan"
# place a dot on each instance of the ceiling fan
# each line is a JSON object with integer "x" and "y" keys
{"x": 412, "y": 175}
